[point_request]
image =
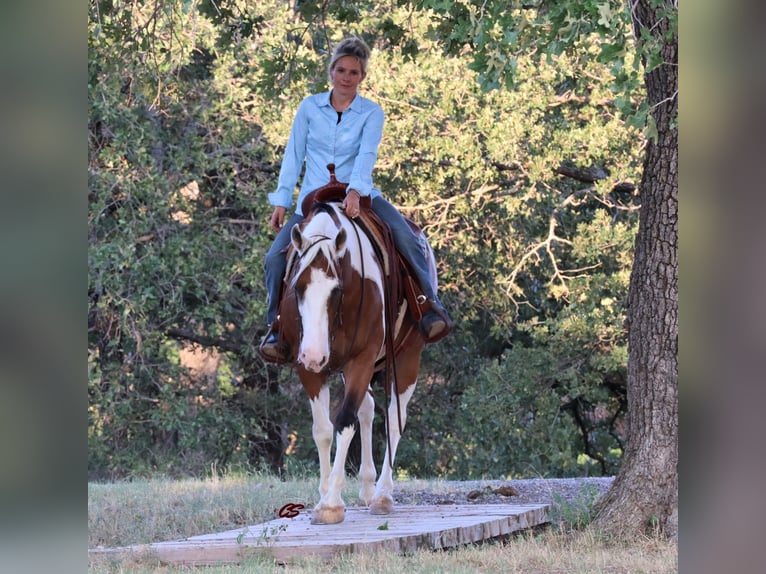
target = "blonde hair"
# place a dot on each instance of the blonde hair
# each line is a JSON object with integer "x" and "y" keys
{"x": 351, "y": 46}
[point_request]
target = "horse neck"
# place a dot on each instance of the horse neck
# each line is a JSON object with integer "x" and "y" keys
{"x": 327, "y": 220}
{"x": 361, "y": 254}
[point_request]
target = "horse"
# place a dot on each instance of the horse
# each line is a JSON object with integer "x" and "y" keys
{"x": 333, "y": 318}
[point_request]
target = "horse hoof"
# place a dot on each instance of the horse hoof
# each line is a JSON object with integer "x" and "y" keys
{"x": 328, "y": 515}
{"x": 383, "y": 504}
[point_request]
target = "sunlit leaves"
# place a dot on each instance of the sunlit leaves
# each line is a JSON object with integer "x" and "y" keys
{"x": 500, "y": 32}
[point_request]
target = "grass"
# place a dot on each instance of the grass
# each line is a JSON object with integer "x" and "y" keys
{"x": 141, "y": 511}
{"x": 144, "y": 511}
{"x": 574, "y": 515}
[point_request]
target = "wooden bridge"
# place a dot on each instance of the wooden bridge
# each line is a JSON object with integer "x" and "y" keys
{"x": 407, "y": 529}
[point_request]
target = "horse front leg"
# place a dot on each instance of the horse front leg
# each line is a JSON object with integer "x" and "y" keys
{"x": 357, "y": 374}
{"x": 331, "y": 509}
{"x": 322, "y": 431}
{"x": 367, "y": 472}
{"x": 383, "y": 500}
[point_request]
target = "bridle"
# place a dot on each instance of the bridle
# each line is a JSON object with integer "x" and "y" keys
{"x": 337, "y": 273}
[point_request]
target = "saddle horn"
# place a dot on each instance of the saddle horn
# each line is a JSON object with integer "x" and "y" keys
{"x": 333, "y": 191}
{"x": 331, "y": 169}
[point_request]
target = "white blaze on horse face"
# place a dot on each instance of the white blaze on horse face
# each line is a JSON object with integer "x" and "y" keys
{"x": 314, "y": 350}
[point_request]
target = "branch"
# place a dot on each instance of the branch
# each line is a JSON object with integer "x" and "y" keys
{"x": 587, "y": 174}
{"x": 396, "y": 102}
{"x": 581, "y": 419}
{"x": 546, "y": 244}
{"x": 591, "y": 175}
{"x": 624, "y": 187}
{"x": 234, "y": 221}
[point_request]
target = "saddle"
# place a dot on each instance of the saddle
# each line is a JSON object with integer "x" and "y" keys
{"x": 403, "y": 292}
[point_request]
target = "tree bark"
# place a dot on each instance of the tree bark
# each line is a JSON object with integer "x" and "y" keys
{"x": 644, "y": 496}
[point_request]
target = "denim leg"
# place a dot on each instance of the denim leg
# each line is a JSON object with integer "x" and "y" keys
{"x": 275, "y": 264}
{"x": 408, "y": 244}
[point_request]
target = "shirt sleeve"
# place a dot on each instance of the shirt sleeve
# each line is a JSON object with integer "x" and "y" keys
{"x": 292, "y": 162}
{"x": 372, "y": 133}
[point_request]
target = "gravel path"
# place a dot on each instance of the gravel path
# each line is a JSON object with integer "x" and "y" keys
{"x": 554, "y": 491}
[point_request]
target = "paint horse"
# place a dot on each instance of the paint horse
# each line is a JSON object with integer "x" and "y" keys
{"x": 334, "y": 319}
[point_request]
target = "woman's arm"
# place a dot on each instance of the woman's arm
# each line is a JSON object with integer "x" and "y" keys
{"x": 292, "y": 162}
{"x": 372, "y": 133}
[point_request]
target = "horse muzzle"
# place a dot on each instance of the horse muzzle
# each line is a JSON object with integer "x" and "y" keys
{"x": 314, "y": 362}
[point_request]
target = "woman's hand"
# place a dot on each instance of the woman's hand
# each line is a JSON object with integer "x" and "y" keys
{"x": 351, "y": 203}
{"x": 278, "y": 218}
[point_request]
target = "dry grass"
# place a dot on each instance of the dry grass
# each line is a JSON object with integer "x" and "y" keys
{"x": 155, "y": 510}
{"x": 149, "y": 511}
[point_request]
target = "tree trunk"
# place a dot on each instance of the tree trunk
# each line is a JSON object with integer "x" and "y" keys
{"x": 644, "y": 495}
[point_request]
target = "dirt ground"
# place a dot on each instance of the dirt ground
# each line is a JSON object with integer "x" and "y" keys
{"x": 527, "y": 491}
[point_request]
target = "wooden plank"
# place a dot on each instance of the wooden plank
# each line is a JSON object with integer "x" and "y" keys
{"x": 407, "y": 529}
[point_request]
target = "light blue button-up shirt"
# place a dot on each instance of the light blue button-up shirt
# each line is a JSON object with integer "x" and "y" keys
{"x": 318, "y": 138}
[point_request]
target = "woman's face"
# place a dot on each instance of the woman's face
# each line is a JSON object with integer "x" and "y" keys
{"x": 346, "y": 75}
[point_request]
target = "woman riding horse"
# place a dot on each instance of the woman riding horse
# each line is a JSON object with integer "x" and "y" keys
{"x": 343, "y": 128}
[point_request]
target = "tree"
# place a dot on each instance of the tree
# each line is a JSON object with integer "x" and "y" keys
{"x": 645, "y": 492}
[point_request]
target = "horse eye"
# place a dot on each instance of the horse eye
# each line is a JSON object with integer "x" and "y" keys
{"x": 300, "y": 291}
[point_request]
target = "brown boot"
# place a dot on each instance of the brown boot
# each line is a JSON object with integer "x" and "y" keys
{"x": 436, "y": 323}
{"x": 272, "y": 349}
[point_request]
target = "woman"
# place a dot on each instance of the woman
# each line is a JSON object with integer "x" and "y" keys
{"x": 343, "y": 128}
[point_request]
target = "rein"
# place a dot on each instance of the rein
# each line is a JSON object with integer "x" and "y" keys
{"x": 361, "y": 298}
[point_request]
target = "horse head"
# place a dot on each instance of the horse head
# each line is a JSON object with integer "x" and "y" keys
{"x": 320, "y": 244}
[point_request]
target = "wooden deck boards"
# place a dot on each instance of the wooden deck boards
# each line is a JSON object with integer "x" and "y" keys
{"x": 408, "y": 528}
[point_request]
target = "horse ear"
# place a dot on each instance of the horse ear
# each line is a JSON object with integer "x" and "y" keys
{"x": 340, "y": 239}
{"x": 297, "y": 237}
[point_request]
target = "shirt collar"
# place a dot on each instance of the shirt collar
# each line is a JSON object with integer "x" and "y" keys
{"x": 355, "y": 103}
{"x": 325, "y": 99}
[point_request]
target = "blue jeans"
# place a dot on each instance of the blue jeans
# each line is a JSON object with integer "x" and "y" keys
{"x": 275, "y": 264}
{"x": 411, "y": 246}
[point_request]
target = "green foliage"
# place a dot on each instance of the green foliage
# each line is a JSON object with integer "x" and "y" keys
{"x": 189, "y": 110}
{"x": 496, "y": 33}
{"x": 575, "y": 514}
{"x": 175, "y": 232}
